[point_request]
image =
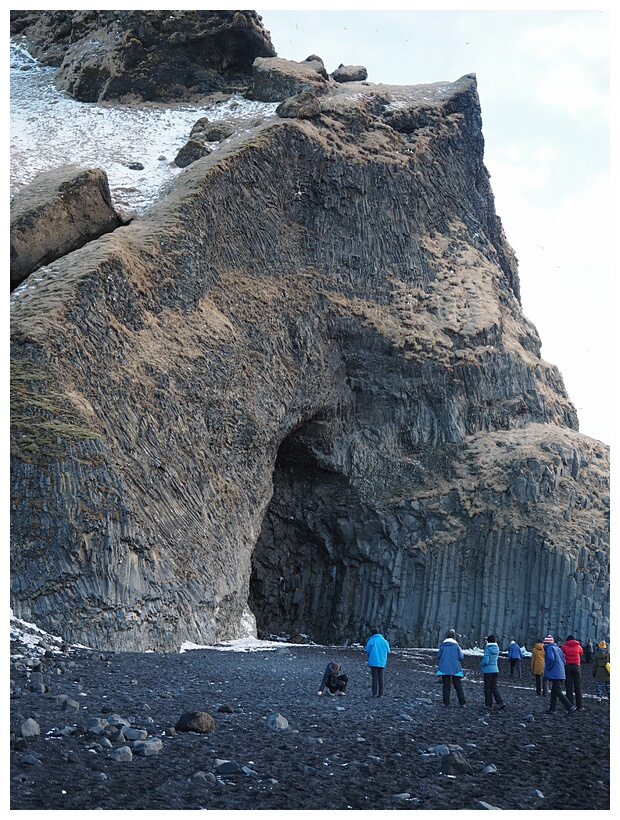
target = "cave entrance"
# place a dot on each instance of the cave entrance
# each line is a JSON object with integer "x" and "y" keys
{"x": 304, "y": 564}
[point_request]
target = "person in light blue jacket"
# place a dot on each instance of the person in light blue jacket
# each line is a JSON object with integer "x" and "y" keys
{"x": 377, "y": 649}
{"x": 449, "y": 659}
{"x": 490, "y": 674}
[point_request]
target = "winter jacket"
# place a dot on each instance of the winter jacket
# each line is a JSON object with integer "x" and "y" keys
{"x": 377, "y": 650}
{"x": 489, "y": 659}
{"x": 572, "y": 651}
{"x": 537, "y": 663}
{"x": 449, "y": 658}
{"x": 514, "y": 650}
{"x": 555, "y": 665}
{"x": 601, "y": 657}
{"x": 330, "y": 678}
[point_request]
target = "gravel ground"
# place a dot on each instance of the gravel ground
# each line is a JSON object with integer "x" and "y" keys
{"x": 354, "y": 752}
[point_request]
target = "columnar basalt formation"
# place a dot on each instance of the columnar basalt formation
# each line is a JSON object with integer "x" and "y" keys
{"x": 314, "y": 390}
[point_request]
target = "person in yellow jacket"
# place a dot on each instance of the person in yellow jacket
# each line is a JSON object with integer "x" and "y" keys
{"x": 537, "y": 665}
{"x": 600, "y": 672}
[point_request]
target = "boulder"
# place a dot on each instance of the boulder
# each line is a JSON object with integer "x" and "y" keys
{"x": 200, "y": 722}
{"x": 193, "y": 150}
{"x": 206, "y": 131}
{"x": 145, "y": 55}
{"x": 58, "y": 212}
{"x": 349, "y": 73}
{"x": 275, "y": 79}
{"x": 304, "y": 106}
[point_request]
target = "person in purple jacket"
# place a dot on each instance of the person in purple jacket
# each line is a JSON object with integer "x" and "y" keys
{"x": 449, "y": 659}
{"x": 377, "y": 649}
{"x": 555, "y": 672}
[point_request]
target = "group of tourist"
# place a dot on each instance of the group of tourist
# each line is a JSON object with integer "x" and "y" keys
{"x": 554, "y": 667}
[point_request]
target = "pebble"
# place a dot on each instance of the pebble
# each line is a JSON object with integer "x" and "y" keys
{"x": 31, "y": 760}
{"x": 401, "y": 796}
{"x": 535, "y": 794}
{"x": 490, "y": 769}
{"x": 146, "y": 748}
{"x": 482, "y": 805}
{"x": 277, "y": 721}
{"x": 122, "y": 755}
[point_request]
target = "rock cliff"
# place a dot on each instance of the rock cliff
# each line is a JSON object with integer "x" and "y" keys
{"x": 304, "y": 380}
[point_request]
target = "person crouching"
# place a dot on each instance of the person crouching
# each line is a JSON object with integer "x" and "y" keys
{"x": 334, "y": 681}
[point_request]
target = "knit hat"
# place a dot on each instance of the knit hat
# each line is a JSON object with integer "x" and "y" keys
{"x": 571, "y": 638}
{"x": 602, "y": 645}
{"x": 548, "y": 639}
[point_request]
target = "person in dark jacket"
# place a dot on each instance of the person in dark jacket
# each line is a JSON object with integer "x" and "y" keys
{"x": 490, "y": 674}
{"x": 514, "y": 656}
{"x": 572, "y": 655}
{"x": 556, "y": 674}
{"x": 449, "y": 659}
{"x": 599, "y": 669}
{"x": 377, "y": 650}
{"x": 334, "y": 681}
{"x": 537, "y": 665}
{"x": 588, "y": 651}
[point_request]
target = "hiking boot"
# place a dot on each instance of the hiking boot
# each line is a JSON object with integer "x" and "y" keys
{"x": 572, "y": 710}
{"x": 329, "y": 692}
{"x": 342, "y": 693}
{"x": 501, "y": 706}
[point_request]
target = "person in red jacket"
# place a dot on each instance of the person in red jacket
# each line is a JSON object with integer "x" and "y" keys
{"x": 573, "y": 650}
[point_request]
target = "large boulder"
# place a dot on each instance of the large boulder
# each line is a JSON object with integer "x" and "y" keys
{"x": 275, "y": 79}
{"x": 145, "y": 55}
{"x": 349, "y": 74}
{"x": 304, "y": 380}
{"x": 58, "y": 212}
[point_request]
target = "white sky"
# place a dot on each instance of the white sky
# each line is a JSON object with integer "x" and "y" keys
{"x": 543, "y": 81}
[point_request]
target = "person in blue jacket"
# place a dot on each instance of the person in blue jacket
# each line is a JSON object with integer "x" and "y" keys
{"x": 555, "y": 672}
{"x": 490, "y": 674}
{"x": 377, "y": 649}
{"x": 449, "y": 659}
{"x": 514, "y": 656}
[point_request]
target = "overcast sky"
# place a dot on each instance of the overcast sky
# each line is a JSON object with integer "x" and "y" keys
{"x": 543, "y": 81}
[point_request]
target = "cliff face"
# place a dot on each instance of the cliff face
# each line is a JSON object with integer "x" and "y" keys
{"x": 304, "y": 379}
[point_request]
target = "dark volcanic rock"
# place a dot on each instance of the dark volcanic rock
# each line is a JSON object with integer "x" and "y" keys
{"x": 200, "y": 722}
{"x": 58, "y": 212}
{"x": 145, "y": 55}
{"x": 304, "y": 379}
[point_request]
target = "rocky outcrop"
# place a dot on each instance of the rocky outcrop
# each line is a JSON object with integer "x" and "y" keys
{"x": 145, "y": 55}
{"x": 58, "y": 212}
{"x": 304, "y": 379}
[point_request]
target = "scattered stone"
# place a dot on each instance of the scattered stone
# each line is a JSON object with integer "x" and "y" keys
{"x": 482, "y": 805}
{"x": 535, "y": 794}
{"x": 490, "y": 769}
{"x": 455, "y": 763}
{"x": 277, "y": 721}
{"x": 303, "y": 106}
{"x": 146, "y": 748}
{"x": 440, "y": 749}
{"x": 249, "y": 772}
{"x": 30, "y": 728}
{"x": 226, "y": 709}
{"x": 31, "y": 760}
{"x": 226, "y": 766}
{"x": 122, "y": 755}
{"x": 200, "y": 722}
{"x": 192, "y": 151}
{"x": 134, "y": 734}
{"x": 401, "y": 796}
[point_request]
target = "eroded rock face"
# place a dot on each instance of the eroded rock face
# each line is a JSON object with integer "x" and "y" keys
{"x": 58, "y": 212}
{"x": 325, "y": 398}
{"x": 145, "y": 55}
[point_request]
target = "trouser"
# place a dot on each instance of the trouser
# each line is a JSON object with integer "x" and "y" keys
{"x": 541, "y": 685}
{"x": 515, "y": 666}
{"x": 377, "y": 680}
{"x": 491, "y": 689}
{"x": 599, "y": 687}
{"x": 558, "y": 694}
{"x": 573, "y": 684}
{"x": 453, "y": 680}
{"x": 340, "y": 684}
